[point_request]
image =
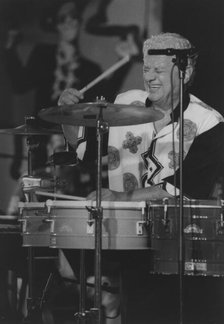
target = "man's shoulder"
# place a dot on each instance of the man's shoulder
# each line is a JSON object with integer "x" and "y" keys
{"x": 204, "y": 116}
{"x": 135, "y": 96}
{"x": 201, "y": 108}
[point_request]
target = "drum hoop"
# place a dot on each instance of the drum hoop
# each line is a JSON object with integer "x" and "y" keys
{"x": 89, "y": 203}
{"x": 31, "y": 204}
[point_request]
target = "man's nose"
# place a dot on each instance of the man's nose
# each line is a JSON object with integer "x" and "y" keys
{"x": 150, "y": 75}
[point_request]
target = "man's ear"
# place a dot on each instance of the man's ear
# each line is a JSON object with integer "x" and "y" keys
{"x": 188, "y": 74}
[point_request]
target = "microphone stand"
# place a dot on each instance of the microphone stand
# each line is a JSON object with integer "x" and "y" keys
{"x": 181, "y": 61}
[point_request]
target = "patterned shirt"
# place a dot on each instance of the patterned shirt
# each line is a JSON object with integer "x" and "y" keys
{"x": 139, "y": 157}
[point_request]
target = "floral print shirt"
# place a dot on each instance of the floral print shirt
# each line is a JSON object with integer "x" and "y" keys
{"x": 139, "y": 157}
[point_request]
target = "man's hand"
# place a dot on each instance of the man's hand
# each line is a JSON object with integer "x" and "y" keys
{"x": 70, "y": 96}
{"x": 108, "y": 195}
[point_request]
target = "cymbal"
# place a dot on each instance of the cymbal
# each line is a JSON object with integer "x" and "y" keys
{"x": 29, "y": 130}
{"x": 86, "y": 114}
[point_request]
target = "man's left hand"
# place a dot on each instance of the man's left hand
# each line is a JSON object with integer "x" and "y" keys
{"x": 108, "y": 195}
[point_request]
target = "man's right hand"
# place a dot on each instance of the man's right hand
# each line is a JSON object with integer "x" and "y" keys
{"x": 70, "y": 96}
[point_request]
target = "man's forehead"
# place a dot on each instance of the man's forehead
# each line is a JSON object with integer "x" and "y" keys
{"x": 157, "y": 60}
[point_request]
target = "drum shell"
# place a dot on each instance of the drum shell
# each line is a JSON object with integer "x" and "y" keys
{"x": 35, "y": 225}
{"x": 74, "y": 229}
{"x": 203, "y": 238}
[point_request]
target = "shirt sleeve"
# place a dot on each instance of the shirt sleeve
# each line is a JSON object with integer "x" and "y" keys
{"x": 202, "y": 166}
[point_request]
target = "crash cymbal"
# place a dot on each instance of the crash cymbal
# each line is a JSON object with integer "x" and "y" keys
{"x": 29, "y": 130}
{"x": 86, "y": 114}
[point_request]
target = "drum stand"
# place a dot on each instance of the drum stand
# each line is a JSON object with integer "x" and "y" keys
{"x": 95, "y": 313}
{"x": 102, "y": 127}
{"x": 31, "y": 304}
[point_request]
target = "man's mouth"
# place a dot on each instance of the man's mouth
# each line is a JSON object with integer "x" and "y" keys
{"x": 154, "y": 87}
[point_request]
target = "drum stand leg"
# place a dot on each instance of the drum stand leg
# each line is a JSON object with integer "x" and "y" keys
{"x": 31, "y": 303}
{"x": 82, "y": 314}
{"x": 102, "y": 127}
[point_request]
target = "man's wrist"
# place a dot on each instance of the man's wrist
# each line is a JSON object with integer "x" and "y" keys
{"x": 129, "y": 195}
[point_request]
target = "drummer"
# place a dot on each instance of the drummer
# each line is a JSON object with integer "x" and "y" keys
{"x": 143, "y": 160}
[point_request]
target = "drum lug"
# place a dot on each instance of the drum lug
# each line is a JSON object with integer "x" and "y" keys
{"x": 23, "y": 221}
{"x": 49, "y": 204}
{"x": 139, "y": 227}
{"x": 165, "y": 220}
{"x": 92, "y": 214}
{"x": 220, "y": 222}
{"x": 90, "y": 227}
{"x": 51, "y": 221}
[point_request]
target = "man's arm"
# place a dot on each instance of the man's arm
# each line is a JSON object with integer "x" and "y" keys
{"x": 203, "y": 164}
{"x": 144, "y": 194}
{"x": 69, "y": 97}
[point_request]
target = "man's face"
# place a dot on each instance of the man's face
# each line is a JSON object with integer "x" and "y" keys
{"x": 161, "y": 80}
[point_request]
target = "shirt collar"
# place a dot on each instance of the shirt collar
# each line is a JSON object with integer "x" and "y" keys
{"x": 176, "y": 113}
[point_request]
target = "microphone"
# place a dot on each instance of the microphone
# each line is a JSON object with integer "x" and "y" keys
{"x": 172, "y": 51}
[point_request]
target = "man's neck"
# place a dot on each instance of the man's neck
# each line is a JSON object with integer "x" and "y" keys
{"x": 166, "y": 107}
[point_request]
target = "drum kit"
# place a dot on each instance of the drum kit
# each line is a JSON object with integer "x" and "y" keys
{"x": 38, "y": 219}
{"x": 75, "y": 223}
{"x": 72, "y": 222}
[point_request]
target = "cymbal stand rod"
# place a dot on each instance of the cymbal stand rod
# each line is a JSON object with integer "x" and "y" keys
{"x": 30, "y": 170}
{"x": 98, "y": 229}
{"x": 82, "y": 314}
{"x": 101, "y": 128}
{"x": 54, "y": 171}
{"x": 30, "y": 256}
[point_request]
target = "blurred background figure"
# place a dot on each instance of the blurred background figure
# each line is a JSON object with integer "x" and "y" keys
{"x": 56, "y": 63}
{"x": 51, "y": 66}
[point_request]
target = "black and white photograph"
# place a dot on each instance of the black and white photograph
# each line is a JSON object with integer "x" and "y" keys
{"x": 112, "y": 162}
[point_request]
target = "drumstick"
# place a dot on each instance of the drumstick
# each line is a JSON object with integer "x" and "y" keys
{"x": 8, "y": 217}
{"x": 54, "y": 195}
{"x": 102, "y": 76}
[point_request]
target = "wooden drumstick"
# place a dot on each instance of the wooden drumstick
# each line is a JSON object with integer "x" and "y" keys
{"x": 106, "y": 73}
{"x": 8, "y": 217}
{"x": 54, "y": 195}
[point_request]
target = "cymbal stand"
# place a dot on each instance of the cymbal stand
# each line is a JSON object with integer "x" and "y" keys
{"x": 97, "y": 214}
{"x": 82, "y": 314}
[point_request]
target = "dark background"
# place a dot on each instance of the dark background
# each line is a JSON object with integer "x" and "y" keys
{"x": 199, "y": 20}
{"x": 202, "y": 22}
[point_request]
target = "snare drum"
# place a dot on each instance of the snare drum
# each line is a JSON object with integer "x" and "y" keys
{"x": 203, "y": 237}
{"x": 124, "y": 225}
{"x": 35, "y": 225}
